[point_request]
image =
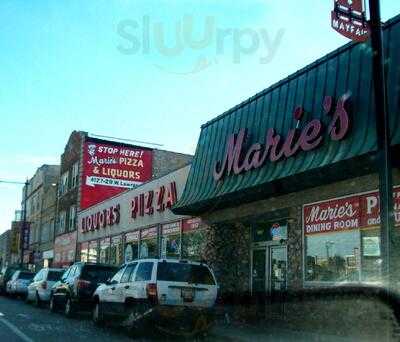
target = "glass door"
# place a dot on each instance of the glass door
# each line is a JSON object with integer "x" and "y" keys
{"x": 278, "y": 269}
{"x": 259, "y": 271}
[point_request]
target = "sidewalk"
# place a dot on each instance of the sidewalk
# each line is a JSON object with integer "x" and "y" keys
{"x": 233, "y": 332}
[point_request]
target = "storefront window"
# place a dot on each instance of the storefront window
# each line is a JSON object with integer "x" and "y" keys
{"x": 149, "y": 243}
{"x": 193, "y": 239}
{"x": 371, "y": 255}
{"x": 116, "y": 250}
{"x": 171, "y": 240}
{"x": 93, "y": 251}
{"x": 105, "y": 251}
{"x": 131, "y": 251}
{"x": 84, "y": 252}
{"x": 333, "y": 257}
{"x": 342, "y": 241}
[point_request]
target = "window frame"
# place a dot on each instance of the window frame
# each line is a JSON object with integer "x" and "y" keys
{"x": 316, "y": 283}
{"x": 63, "y": 215}
{"x": 118, "y": 276}
{"x": 138, "y": 267}
{"x": 66, "y": 273}
{"x": 71, "y": 225}
{"x": 132, "y": 266}
{"x": 39, "y": 276}
{"x": 64, "y": 183}
{"x": 75, "y": 175}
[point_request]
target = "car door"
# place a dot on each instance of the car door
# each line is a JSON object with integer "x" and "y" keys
{"x": 12, "y": 281}
{"x": 122, "y": 288}
{"x": 60, "y": 288}
{"x": 143, "y": 275}
{"x": 75, "y": 272}
{"x": 110, "y": 293}
{"x": 33, "y": 287}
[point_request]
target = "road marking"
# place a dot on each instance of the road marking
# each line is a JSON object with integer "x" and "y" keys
{"x": 22, "y": 315}
{"x": 15, "y": 330}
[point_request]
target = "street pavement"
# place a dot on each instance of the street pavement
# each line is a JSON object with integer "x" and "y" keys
{"x": 21, "y": 322}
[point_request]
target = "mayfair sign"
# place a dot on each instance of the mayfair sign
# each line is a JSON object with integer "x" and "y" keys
{"x": 348, "y": 18}
{"x": 239, "y": 158}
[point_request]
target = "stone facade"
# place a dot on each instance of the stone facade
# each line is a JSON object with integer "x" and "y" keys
{"x": 229, "y": 233}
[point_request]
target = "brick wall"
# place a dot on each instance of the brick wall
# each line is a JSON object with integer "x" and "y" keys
{"x": 166, "y": 161}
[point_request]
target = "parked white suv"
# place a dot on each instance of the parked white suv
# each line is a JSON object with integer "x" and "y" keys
{"x": 40, "y": 288}
{"x": 176, "y": 296}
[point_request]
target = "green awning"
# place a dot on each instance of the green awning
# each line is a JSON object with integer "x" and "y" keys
{"x": 346, "y": 70}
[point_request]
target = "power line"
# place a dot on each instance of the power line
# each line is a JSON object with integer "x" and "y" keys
{"x": 122, "y": 139}
{"x": 11, "y": 182}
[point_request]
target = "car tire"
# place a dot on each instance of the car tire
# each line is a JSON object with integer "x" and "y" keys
{"x": 37, "y": 302}
{"x": 52, "y": 304}
{"x": 97, "y": 314}
{"x": 138, "y": 329}
{"x": 27, "y": 300}
{"x": 68, "y": 308}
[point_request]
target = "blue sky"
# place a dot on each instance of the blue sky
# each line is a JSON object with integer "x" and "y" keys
{"x": 64, "y": 66}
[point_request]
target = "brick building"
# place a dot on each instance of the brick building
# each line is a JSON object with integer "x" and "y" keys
{"x": 15, "y": 241}
{"x": 287, "y": 180}
{"x": 93, "y": 170}
{"x": 5, "y": 248}
{"x": 41, "y": 213}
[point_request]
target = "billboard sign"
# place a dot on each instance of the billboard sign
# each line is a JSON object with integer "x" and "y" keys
{"x": 64, "y": 249}
{"x": 348, "y": 18}
{"x": 110, "y": 169}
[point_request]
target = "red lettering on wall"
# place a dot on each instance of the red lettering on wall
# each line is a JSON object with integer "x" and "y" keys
{"x": 277, "y": 147}
{"x": 101, "y": 219}
{"x": 164, "y": 197}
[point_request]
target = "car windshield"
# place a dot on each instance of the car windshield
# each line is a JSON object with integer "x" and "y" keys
{"x": 54, "y": 275}
{"x": 26, "y": 275}
{"x": 182, "y": 272}
{"x": 99, "y": 274}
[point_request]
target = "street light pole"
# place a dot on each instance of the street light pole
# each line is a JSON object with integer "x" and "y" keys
{"x": 383, "y": 142}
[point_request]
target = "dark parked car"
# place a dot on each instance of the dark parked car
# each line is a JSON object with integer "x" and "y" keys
{"x": 5, "y": 276}
{"x": 75, "y": 289}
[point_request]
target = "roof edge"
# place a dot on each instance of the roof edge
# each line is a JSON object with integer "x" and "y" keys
{"x": 287, "y": 79}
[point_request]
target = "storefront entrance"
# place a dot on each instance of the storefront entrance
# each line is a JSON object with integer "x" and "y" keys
{"x": 269, "y": 269}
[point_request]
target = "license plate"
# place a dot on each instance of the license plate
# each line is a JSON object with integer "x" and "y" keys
{"x": 187, "y": 295}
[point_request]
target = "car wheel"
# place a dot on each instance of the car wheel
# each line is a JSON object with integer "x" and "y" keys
{"x": 68, "y": 310}
{"x": 97, "y": 314}
{"x": 52, "y": 304}
{"x": 27, "y": 300}
{"x": 138, "y": 325}
{"x": 38, "y": 302}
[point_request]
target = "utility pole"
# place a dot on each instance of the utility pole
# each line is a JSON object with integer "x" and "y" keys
{"x": 23, "y": 228}
{"x": 383, "y": 143}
